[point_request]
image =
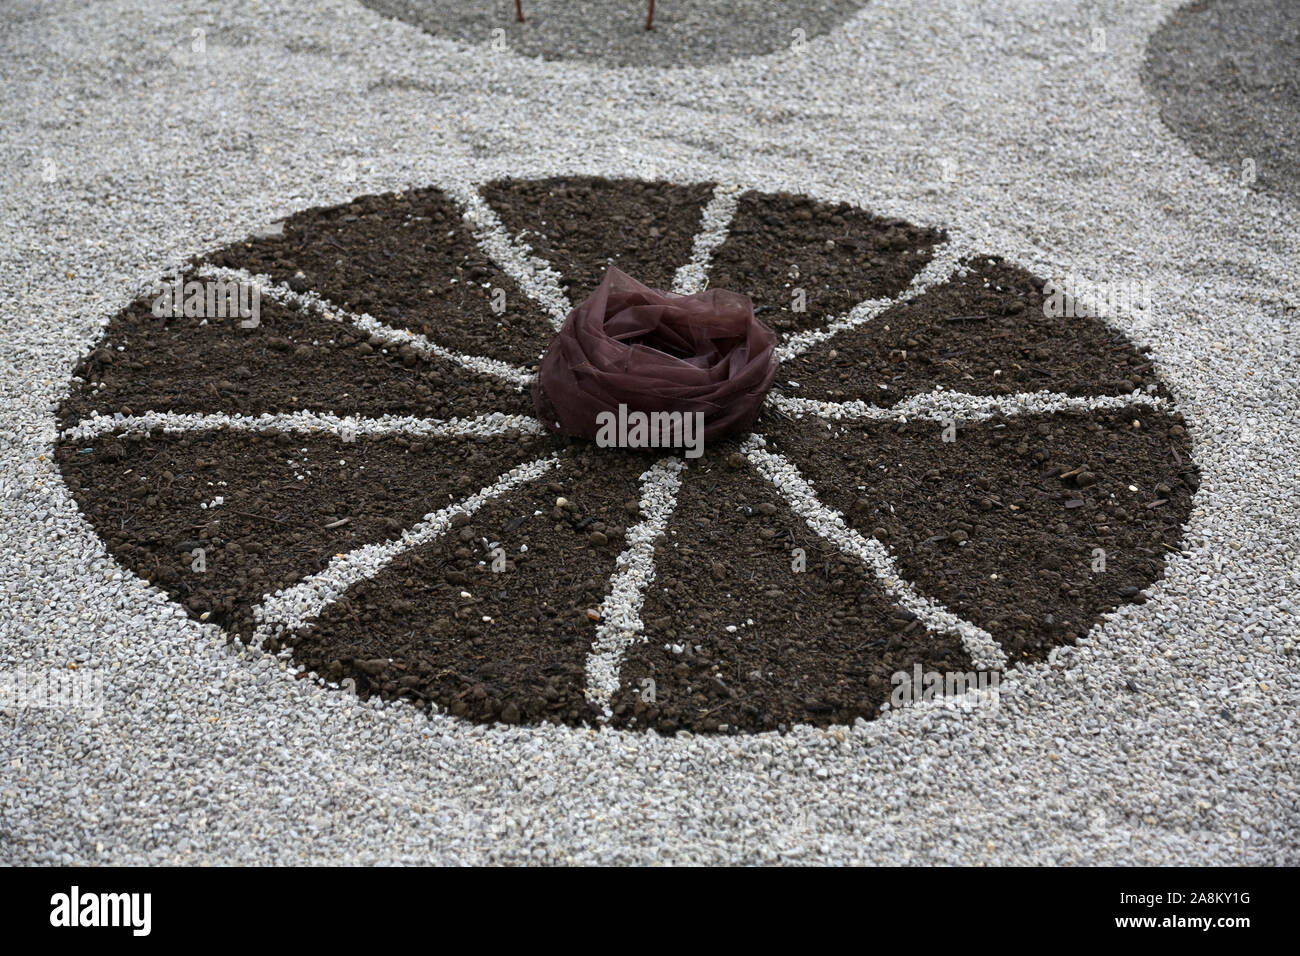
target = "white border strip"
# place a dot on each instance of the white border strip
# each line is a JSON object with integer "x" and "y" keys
{"x": 490, "y": 425}
{"x": 985, "y": 652}
{"x": 620, "y": 620}
{"x": 941, "y": 405}
{"x": 312, "y": 302}
{"x": 715, "y": 223}
{"x": 293, "y": 607}
{"x": 537, "y": 278}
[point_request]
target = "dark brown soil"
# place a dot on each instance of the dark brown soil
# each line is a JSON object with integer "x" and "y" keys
{"x": 290, "y": 362}
{"x": 983, "y": 333}
{"x": 407, "y": 259}
{"x": 838, "y": 254}
{"x": 516, "y": 648}
{"x": 1002, "y": 524}
{"x": 811, "y": 647}
{"x": 146, "y": 496}
{"x": 583, "y": 225}
{"x": 1029, "y": 499}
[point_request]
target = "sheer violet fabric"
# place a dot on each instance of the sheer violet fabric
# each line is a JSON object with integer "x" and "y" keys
{"x": 656, "y": 352}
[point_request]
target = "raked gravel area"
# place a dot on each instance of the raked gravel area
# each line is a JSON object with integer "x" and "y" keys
{"x": 1170, "y": 736}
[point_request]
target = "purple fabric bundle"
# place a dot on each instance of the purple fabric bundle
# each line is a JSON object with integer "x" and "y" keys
{"x": 656, "y": 351}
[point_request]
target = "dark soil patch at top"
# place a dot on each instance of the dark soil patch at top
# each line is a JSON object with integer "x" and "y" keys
{"x": 584, "y": 225}
{"x": 612, "y": 32}
{"x": 837, "y": 254}
{"x": 1227, "y": 76}
{"x": 290, "y": 362}
{"x": 984, "y": 333}
{"x": 407, "y": 259}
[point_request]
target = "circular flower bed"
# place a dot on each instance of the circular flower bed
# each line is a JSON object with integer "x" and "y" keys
{"x": 942, "y": 475}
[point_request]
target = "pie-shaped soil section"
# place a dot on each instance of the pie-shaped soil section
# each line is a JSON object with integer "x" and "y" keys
{"x": 943, "y": 477}
{"x": 612, "y": 32}
{"x": 1226, "y": 74}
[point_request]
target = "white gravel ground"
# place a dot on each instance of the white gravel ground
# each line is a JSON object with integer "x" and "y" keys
{"x": 1170, "y": 736}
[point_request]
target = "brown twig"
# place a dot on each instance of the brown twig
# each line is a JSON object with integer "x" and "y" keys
{"x": 249, "y": 514}
{"x": 650, "y": 16}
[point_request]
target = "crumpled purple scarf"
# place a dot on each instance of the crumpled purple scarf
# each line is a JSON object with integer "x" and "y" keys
{"x": 656, "y": 352}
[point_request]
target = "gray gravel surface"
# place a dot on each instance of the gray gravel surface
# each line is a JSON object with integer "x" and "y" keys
{"x": 612, "y": 32}
{"x": 1227, "y": 76}
{"x": 1169, "y": 736}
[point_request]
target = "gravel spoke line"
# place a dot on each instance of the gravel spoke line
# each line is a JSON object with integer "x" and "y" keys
{"x": 344, "y": 426}
{"x": 620, "y": 613}
{"x": 715, "y": 223}
{"x": 942, "y": 405}
{"x": 942, "y": 266}
{"x": 984, "y": 650}
{"x": 293, "y": 607}
{"x": 539, "y": 280}
{"x": 395, "y": 337}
